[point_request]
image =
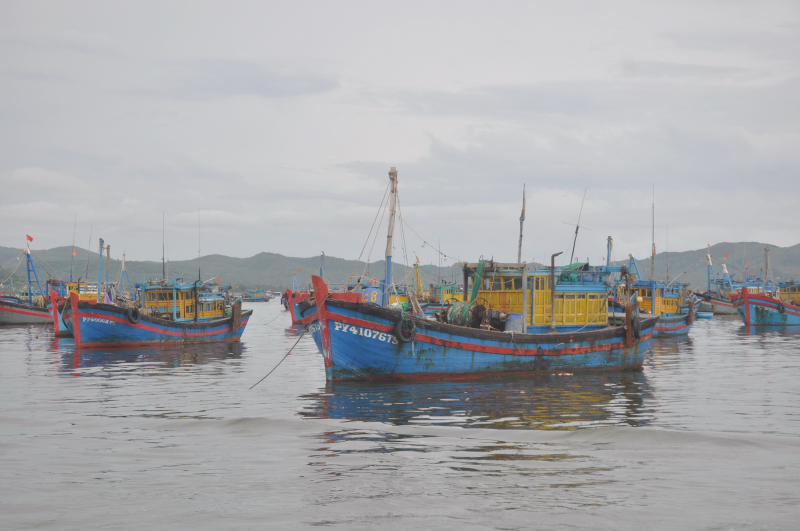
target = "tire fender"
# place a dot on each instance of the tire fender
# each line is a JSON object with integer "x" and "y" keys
{"x": 133, "y": 315}
{"x": 405, "y": 330}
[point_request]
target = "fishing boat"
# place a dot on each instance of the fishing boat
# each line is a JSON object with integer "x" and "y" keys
{"x": 552, "y": 330}
{"x": 257, "y": 295}
{"x": 19, "y": 311}
{"x": 760, "y": 309}
{"x": 171, "y": 313}
{"x": 718, "y": 297}
{"x": 673, "y": 304}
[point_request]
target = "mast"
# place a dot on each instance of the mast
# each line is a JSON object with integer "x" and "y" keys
{"x": 72, "y": 258}
{"x": 577, "y": 226}
{"x": 711, "y": 275}
{"x": 163, "y": 263}
{"x": 100, "y": 270}
{"x": 521, "y": 221}
{"x": 653, "y": 256}
{"x": 768, "y": 266}
{"x": 321, "y": 263}
{"x": 88, "y": 253}
{"x": 387, "y": 280}
{"x": 108, "y": 262}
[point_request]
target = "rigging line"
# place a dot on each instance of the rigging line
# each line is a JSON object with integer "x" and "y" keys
{"x": 12, "y": 272}
{"x": 283, "y": 358}
{"x": 375, "y": 238}
{"x": 402, "y": 234}
{"x": 435, "y": 248}
{"x": 370, "y": 233}
{"x": 15, "y": 257}
{"x": 46, "y": 268}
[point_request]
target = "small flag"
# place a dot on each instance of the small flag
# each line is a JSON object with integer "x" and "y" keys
{"x": 30, "y": 238}
{"x": 727, "y": 255}
{"x": 74, "y": 253}
{"x": 299, "y": 270}
{"x": 219, "y": 279}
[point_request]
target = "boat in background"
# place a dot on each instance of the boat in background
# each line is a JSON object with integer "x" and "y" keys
{"x": 171, "y": 313}
{"x": 17, "y": 311}
{"x": 719, "y": 294}
{"x": 257, "y": 295}
{"x": 673, "y": 304}
{"x": 759, "y": 309}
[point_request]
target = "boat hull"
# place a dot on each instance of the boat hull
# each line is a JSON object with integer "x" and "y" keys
{"x": 716, "y": 305}
{"x": 672, "y": 325}
{"x": 13, "y": 313}
{"x": 104, "y": 325}
{"x": 358, "y": 342}
{"x": 763, "y": 310}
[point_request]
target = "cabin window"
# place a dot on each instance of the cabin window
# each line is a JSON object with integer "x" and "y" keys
{"x": 189, "y": 308}
{"x": 570, "y": 296}
{"x": 508, "y": 284}
{"x": 594, "y": 296}
{"x": 539, "y": 283}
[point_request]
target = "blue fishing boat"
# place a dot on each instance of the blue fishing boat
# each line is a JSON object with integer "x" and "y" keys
{"x": 673, "y": 304}
{"x": 30, "y": 309}
{"x": 552, "y": 331}
{"x": 257, "y": 295}
{"x": 718, "y": 296}
{"x": 171, "y": 313}
{"x": 759, "y": 309}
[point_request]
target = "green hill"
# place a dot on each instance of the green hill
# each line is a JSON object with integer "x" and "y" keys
{"x": 274, "y": 271}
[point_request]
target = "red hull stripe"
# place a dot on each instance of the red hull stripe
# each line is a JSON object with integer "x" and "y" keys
{"x": 669, "y": 328}
{"x": 151, "y": 344}
{"x": 174, "y": 333}
{"x": 23, "y": 312}
{"x": 478, "y": 347}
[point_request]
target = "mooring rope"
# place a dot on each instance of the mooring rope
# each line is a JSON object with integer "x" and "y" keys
{"x": 283, "y": 358}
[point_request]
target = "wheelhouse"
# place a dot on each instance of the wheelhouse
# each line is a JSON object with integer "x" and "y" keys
{"x": 182, "y": 302}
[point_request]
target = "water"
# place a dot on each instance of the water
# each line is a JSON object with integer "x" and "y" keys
{"x": 706, "y": 437}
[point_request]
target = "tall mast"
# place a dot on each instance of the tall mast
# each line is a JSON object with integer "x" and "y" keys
{"x": 100, "y": 271}
{"x": 163, "y": 263}
{"x": 521, "y": 221}
{"x": 653, "y": 256}
{"x": 577, "y": 226}
{"x": 89, "y": 252}
{"x": 72, "y": 258}
{"x": 387, "y": 280}
{"x": 768, "y": 266}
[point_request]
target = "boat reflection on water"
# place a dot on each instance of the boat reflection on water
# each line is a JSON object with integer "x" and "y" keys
{"x": 295, "y": 330}
{"x": 72, "y": 358}
{"x": 548, "y": 401}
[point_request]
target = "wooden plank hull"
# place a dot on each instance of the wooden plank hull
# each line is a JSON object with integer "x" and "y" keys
{"x": 104, "y": 325}
{"x": 359, "y": 342}
{"x": 18, "y": 313}
{"x": 763, "y": 310}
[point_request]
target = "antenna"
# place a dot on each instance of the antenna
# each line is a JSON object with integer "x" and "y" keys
{"x": 667, "y": 253}
{"x": 199, "y": 277}
{"x": 88, "y": 252}
{"x": 653, "y": 256}
{"x": 577, "y": 226}
{"x": 72, "y": 258}
{"x": 521, "y": 221}
{"x": 163, "y": 263}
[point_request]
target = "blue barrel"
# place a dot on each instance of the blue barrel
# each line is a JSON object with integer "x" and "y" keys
{"x": 373, "y": 295}
{"x": 514, "y": 323}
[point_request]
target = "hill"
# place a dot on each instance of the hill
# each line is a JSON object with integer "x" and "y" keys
{"x": 274, "y": 271}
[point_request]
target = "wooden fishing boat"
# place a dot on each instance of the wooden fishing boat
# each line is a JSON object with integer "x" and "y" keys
{"x": 719, "y": 294}
{"x": 18, "y": 311}
{"x": 673, "y": 304}
{"x": 551, "y": 331}
{"x": 759, "y": 309}
{"x": 171, "y": 313}
{"x": 257, "y": 295}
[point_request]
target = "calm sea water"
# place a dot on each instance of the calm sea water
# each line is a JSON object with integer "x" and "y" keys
{"x": 706, "y": 437}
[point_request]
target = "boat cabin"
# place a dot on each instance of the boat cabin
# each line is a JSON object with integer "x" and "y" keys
{"x": 788, "y": 292}
{"x": 580, "y": 297}
{"x": 182, "y": 302}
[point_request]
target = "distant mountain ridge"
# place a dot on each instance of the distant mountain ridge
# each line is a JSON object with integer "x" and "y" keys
{"x": 274, "y": 271}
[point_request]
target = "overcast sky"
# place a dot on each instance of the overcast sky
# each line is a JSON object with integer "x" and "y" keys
{"x": 278, "y": 123}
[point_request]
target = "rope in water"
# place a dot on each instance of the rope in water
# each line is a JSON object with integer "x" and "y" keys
{"x": 283, "y": 358}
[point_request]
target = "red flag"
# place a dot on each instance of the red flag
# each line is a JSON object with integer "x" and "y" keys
{"x": 727, "y": 255}
{"x": 30, "y": 238}
{"x": 299, "y": 270}
{"x": 74, "y": 253}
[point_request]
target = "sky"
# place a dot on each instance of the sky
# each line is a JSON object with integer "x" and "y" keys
{"x": 272, "y": 126}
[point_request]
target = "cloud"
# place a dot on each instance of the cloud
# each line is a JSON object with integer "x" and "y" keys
{"x": 207, "y": 79}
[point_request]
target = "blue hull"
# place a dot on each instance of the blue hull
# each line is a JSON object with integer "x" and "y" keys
{"x": 672, "y": 325}
{"x": 103, "y": 325}
{"x": 762, "y": 310}
{"x": 358, "y": 341}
